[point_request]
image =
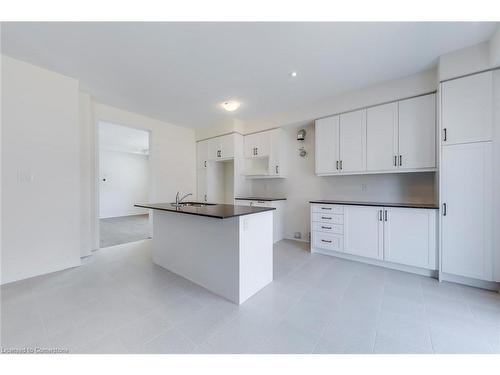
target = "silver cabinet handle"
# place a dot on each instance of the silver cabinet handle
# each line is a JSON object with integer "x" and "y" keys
{"x": 337, "y": 166}
{"x": 380, "y": 215}
{"x": 205, "y": 163}
{"x": 277, "y": 170}
{"x": 205, "y": 197}
{"x": 326, "y": 227}
{"x": 326, "y": 208}
{"x": 341, "y": 165}
{"x": 400, "y": 160}
{"x": 395, "y": 160}
{"x": 256, "y": 150}
{"x": 445, "y": 135}
{"x": 444, "y": 209}
{"x": 326, "y": 241}
{"x": 326, "y": 218}
{"x": 385, "y": 215}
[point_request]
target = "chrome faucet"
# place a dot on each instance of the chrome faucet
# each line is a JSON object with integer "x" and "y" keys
{"x": 179, "y": 201}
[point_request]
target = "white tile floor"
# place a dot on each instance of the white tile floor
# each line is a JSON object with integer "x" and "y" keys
{"x": 119, "y": 302}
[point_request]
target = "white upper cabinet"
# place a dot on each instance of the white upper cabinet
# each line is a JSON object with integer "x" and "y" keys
{"x": 417, "y": 133}
{"x": 266, "y": 154}
{"x": 467, "y": 109}
{"x": 364, "y": 231}
{"x": 278, "y": 156}
{"x": 467, "y": 208}
{"x": 327, "y": 145}
{"x": 394, "y": 137}
{"x": 353, "y": 141}
{"x": 382, "y": 137}
{"x": 257, "y": 145}
{"x": 202, "y": 154}
{"x": 221, "y": 147}
{"x": 410, "y": 237}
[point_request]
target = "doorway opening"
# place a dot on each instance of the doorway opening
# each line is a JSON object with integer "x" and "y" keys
{"x": 124, "y": 176}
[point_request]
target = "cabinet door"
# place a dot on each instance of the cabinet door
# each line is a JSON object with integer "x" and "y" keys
{"x": 467, "y": 109}
{"x": 467, "y": 226}
{"x": 263, "y": 144}
{"x": 382, "y": 137}
{"x": 410, "y": 236}
{"x": 257, "y": 144}
{"x": 417, "y": 132}
{"x": 277, "y": 154}
{"x": 201, "y": 154}
{"x": 214, "y": 148}
{"x": 327, "y": 145}
{"x": 353, "y": 141}
{"x": 363, "y": 231}
{"x": 227, "y": 146}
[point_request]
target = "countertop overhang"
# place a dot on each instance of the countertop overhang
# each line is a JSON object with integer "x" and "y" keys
{"x": 378, "y": 204}
{"x": 218, "y": 211}
{"x": 259, "y": 199}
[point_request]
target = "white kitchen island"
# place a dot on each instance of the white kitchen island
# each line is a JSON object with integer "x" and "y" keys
{"x": 226, "y": 249}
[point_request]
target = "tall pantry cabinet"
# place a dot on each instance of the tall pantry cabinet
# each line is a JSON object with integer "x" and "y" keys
{"x": 469, "y": 177}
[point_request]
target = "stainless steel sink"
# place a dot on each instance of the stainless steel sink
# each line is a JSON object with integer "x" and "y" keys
{"x": 192, "y": 204}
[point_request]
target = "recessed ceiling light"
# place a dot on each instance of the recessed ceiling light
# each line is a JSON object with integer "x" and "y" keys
{"x": 293, "y": 74}
{"x": 231, "y": 105}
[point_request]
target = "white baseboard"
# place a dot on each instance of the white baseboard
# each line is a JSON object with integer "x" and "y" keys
{"x": 380, "y": 263}
{"x": 489, "y": 285}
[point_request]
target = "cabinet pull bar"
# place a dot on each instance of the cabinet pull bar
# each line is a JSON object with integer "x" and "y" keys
{"x": 400, "y": 160}
{"x": 326, "y": 227}
{"x": 445, "y": 138}
{"x": 326, "y": 241}
{"x": 337, "y": 165}
{"x": 385, "y": 215}
{"x": 380, "y": 215}
{"x": 444, "y": 209}
{"x": 395, "y": 160}
{"x": 341, "y": 165}
{"x": 326, "y": 208}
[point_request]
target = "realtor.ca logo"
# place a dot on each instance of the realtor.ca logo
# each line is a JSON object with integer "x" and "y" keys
{"x": 29, "y": 350}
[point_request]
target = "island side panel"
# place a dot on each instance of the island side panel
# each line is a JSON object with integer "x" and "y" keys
{"x": 201, "y": 249}
{"x": 256, "y": 253}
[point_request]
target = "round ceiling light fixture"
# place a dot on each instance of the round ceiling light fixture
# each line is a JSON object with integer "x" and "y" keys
{"x": 293, "y": 74}
{"x": 230, "y": 105}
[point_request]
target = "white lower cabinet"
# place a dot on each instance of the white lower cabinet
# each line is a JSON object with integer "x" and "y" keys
{"x": 405, "y": 236}
{"x": 410, "y": 237}
{"x": 278, "y": 220}
{"x": 364, "y": 231}
{"x": 467, "y": 199}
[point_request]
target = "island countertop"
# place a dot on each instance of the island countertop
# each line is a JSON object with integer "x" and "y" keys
{"x": 218, "y": 211}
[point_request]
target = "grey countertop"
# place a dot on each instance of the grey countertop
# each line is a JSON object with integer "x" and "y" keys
{"x": 266, "y": 199}
{"x": 219, "y": 211}
{"x": 378, "y": 204}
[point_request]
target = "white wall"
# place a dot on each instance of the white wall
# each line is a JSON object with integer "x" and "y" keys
{"x": 172, "y": 151}
{"x": 126, "y": 183}
{"x": 49, "y": 171}
{"x": 88, "y": 226}
{"x": 40, "y": 171}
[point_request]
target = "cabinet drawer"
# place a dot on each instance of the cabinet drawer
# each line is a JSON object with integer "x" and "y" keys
{"x": 328, "y": 218}
{"x": 328, "y": 241}
{"x": 329, "y": 228}
{"x": 329, "y": 208}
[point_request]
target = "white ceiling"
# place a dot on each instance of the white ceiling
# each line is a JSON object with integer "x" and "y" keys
{"x": 180, "y": 72}
{"x": 122, "y": 138}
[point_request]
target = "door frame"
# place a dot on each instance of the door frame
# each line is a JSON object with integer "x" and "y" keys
{"x": 96, "y": 176}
